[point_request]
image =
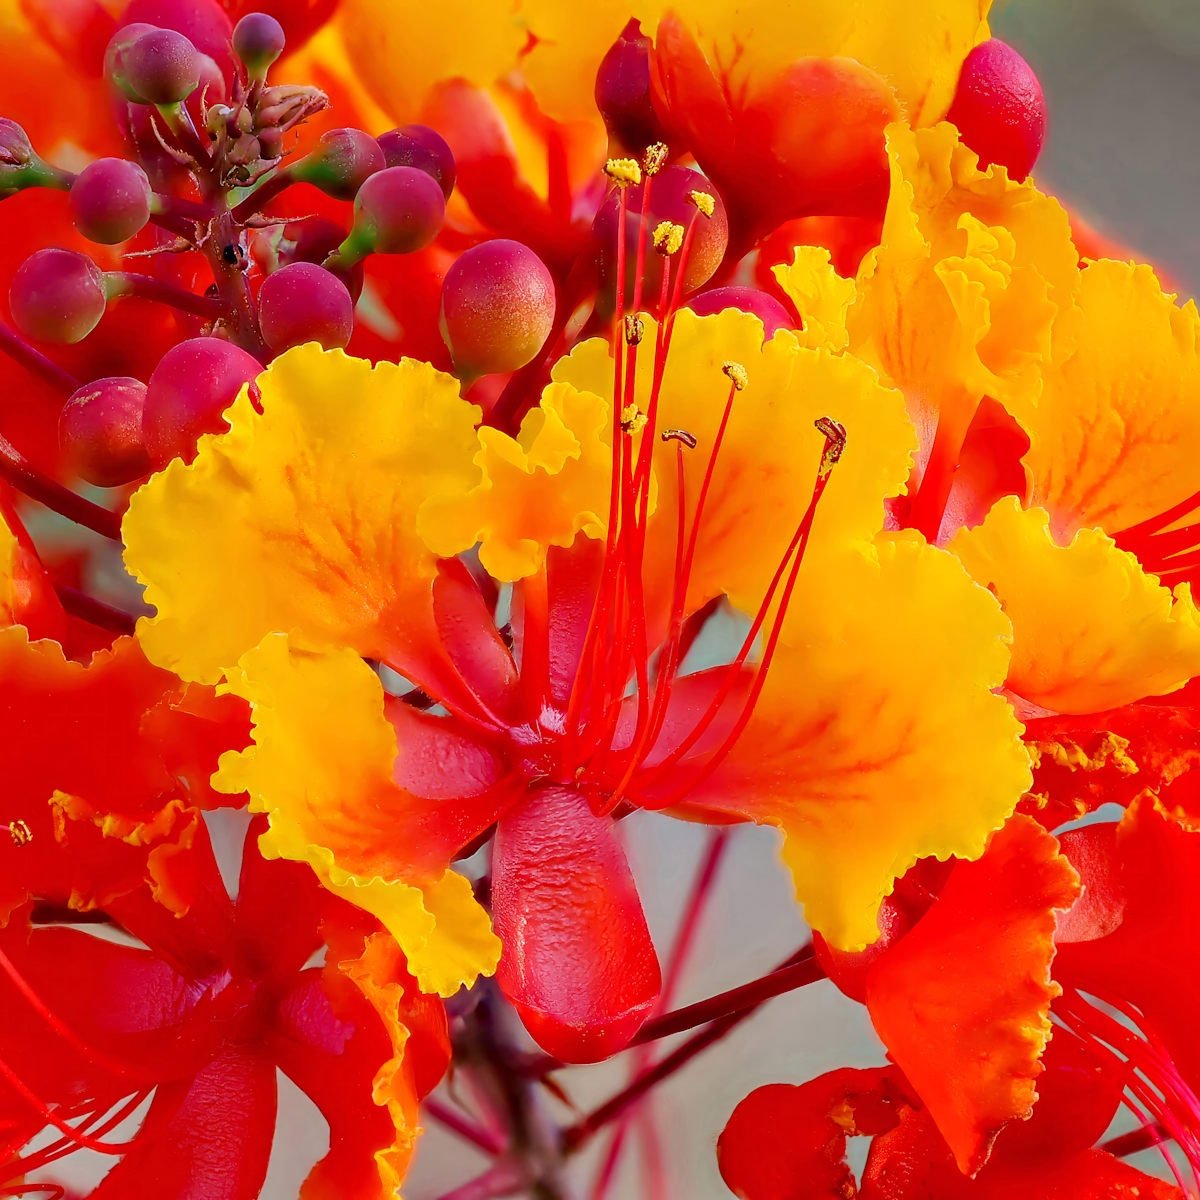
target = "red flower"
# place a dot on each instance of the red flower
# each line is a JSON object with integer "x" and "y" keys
{"x": 198, "y": 1024}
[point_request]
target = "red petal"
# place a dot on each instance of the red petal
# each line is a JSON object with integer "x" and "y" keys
{"x": 787, "y": 1142}
{"x": 205, "y": 1138}
{"x": 913, "y": 1163}
{"x": 1085, "y": 761}
{"x": 578, "y": 963}
{"x": 449, "y": 787}
{"x": 279, "y": 908}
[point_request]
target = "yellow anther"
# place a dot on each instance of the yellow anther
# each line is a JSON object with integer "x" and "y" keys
{"x": 668, "y": 237}
{"x": 632, "y": 418}
{"x": 623, "y": 171}
{"x": 654, "y": 158}
{"x": 704, "y": 202}
{"x": 736, "y": 374}
{"x": 20, "y": 833}
{"x": 634, "y": 329}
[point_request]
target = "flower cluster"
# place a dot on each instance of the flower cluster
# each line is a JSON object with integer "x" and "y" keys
{"x": 687, "y": 410}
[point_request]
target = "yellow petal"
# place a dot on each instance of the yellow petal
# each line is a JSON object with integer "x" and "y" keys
{"x": 877, "y": 739}
{"x": 768, "y": 461}
{"x": 960, "y": 296}
{"x": 1091, "y": 630}
{"x": 321, "y": 767}
{"x": 303, "y": 517}
{"x": 399, "y": 54}
{"x": 537, "y": 490}
{"x": 821, "y": 296}
{"x": 444, "y": 932}
{"x": 1116, "y": 436}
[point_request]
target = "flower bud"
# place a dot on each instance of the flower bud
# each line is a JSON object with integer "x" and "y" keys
{"x": 161, "y": 67}
{"x": 284, "y": 105}
{"x": 57, "y": 296}
{"x": 623, "y": 92}
{"x": 192, "y": 386}
{"x": 678, "y": 196}
{"x": 999, "y": 108}
{"x": 258, "y": 40}
{"x": 302, "y": 303}
{"x": 339, "y": 164}
{"x": 115, "y": 70}
{"x": 110, "y": 200}
{"x": 497, "y": 307}
{"x": 424, "y": 148}
{"x": 100, "y": 432}
{"x": 750, "y": 300}
{"x": 397, "y": 211}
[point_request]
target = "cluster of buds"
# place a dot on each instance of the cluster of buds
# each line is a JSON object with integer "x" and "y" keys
{"x": 212, "y": 146}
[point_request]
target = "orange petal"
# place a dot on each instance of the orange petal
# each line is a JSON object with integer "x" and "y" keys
{"x": 962, "y": 1002}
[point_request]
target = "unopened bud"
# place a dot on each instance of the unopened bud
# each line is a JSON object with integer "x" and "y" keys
{"x": 258, "y": 40}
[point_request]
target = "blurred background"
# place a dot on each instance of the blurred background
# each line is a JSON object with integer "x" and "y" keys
{"x": 1122, "y": 83}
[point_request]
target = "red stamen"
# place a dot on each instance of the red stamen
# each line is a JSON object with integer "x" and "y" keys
{"x": 1154, "y": 1079}
{"x": 97, "y": 1057}
{"x": 51, "y": 1116}
{"x": 835, "y": 441}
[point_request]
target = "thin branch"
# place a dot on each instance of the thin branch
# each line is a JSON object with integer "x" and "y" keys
{"x": 18, "y": 471}
{"x": 95, "y": 612}
{"x": 466, "y": 1129}
{"x": 18, "y": 349}
{"x": 749, "y": 998}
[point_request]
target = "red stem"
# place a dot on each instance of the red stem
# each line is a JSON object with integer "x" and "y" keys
{"x": 95, "y": 612}
{"x": 18, "y": 471}
{"x": 808, "y": 970}
{"x": 466, "y": 1129}
{"x": 18, "y": 349}
{"x": 146, "y": 287}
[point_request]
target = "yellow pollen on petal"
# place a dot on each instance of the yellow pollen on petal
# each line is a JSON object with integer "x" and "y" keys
{"x": 736, "y": 374}
{"x": 623, "y": 171}
{"x": 635, "y": 328}
{"x": 704, "y": 202}
{"x": 654, "y": 158}
{"x": 632, "y": 418}
{"x": 668, "y": 238}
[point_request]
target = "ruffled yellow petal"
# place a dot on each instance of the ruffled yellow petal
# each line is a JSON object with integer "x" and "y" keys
{"x": 537, "y": 490}
{"x": 877, "y": 739}
{"x": 444, "y": 932}
{"x": 399, "y": 54}
{"x": 768, "y": 461}
{"x": 321, "y": 767}
{"x": 1116, "y": 436}
{"x": 958, "y": 300}
{"x": 304, "y": 516}
{"x": 821, "y": 296}
{"x": 1091, "y": 630}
